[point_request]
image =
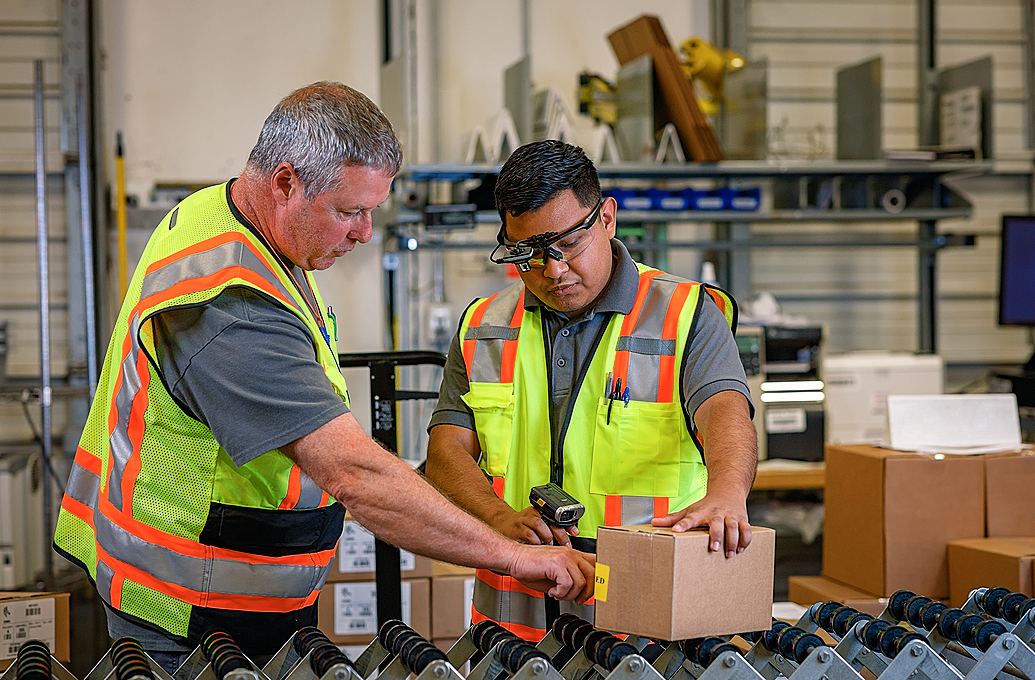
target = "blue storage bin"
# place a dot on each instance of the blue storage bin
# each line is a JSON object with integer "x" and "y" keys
{"x": 667, "y": 199}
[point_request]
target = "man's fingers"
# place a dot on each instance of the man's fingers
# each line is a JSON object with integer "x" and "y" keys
{"x": 745, "y": 535}
{"x": 689, "y": 521}
{"x": 732, "y": 536}
{"x": 563, "y": 584}
{"x": 530, "y": 536}
{"x": 573, "y": 530}
{"x": 669, "y": 519}
{"x": 589, "y": 571}
{"x": 560, "y": 537}
{"x": 542, "y": 530}
{"x": 715, "y": 533}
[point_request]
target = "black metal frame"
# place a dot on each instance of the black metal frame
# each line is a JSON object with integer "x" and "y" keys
{"x": 383, "y": 398}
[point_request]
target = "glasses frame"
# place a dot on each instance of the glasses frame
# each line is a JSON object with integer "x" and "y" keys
{"x": 519, "y": 253}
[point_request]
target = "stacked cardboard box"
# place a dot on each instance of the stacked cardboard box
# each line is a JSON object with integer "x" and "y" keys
{"x": 33, "y": 616}
{"x": 891, "y": 516}
{"x": 347, "y": 607}
{"x": 452, "y": 592}
{"x": 990, "y": 562}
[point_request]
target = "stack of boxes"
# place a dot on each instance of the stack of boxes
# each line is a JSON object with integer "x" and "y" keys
{"x": 33, "y": 616}
{"x": 936, "y": 524}
{"x": 436, "y": 597}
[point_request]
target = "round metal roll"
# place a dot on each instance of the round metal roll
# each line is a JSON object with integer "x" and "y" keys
{"x": 770, "y": 639}
{"x": 897, "y": 603}
{"x": 420, "y": 655}
{"x": 129, "y": 660}
{"x": 991, "y": 601}
{"x": 804, "y": 644}
{"x": 979, "y": 634}
{"x": 563, "y": 620}
{"x": 33, "y": 661}
{"x": 1015, "y": 610}
{"x": 577, "y": 634}
{"x": 389, "y": 629}
{"x": 930, "y": 612}
{"x": 947, "y": 622}
{"x": 843, "y": 620}
{"x": 223, "y": 653}
{"x": 785, "y": 640}
{"x": 913, "y": 607}
{"x": 652, "y": 652}
{"x": 593, "y": 642}
{"x": 710, "y": 649}
{"x": 871, "y": 632}
{"x": 824, "y": 613}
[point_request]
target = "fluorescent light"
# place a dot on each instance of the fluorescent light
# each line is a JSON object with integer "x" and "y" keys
{"x": 792, "y": 385}
{"x": 784, "y": 397}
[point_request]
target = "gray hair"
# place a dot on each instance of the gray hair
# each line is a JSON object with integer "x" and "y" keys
{"x": 320, "y": 129}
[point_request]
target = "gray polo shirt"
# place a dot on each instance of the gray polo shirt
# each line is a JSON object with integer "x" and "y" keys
{"x": 712, "y": 363}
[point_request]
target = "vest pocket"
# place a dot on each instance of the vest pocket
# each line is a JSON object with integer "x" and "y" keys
{"x": 493, "y": 408}
{"x": 637, "y": 453}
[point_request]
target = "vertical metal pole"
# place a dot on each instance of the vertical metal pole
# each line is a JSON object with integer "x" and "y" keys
{"x": 926, "y": 73}
{"x": 42, "y": 254}
{"x": 86, "y": 227}
{"x": 1028, "y": 8}
{"x": 927, "y": 134}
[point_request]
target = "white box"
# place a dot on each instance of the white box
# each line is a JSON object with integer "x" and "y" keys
{"x": 857, "y": 386}
{"x": 22, "y": 542}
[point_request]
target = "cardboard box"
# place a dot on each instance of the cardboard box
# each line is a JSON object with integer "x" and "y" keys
{"x": 654, "y": 582}
{"x": 33, "y": 616}
{"x": 355, "y": 560}
{"x": 1009, "y": 502}
{"x": 891, "y": 514}
{"x": 990, "y": 562}
{"x": 447, "y": 569}
{"x": 808, "y": 590}
{"x": 451, "y": 598}
{"x": 347, "y": 612}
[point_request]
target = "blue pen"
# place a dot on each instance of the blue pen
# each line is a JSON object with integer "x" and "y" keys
{"x": 625, "y": 397}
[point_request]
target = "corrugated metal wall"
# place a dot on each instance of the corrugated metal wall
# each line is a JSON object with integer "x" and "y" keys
{"x": 29, "y": 30}
{"x": 805, "y": 42}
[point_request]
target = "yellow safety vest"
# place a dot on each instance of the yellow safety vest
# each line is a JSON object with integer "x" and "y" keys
{"x": 174, "y": 534}
{"x": 626, "y": 462}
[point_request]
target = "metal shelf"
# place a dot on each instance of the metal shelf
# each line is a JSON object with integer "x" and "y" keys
{"x": 722, "y": 170}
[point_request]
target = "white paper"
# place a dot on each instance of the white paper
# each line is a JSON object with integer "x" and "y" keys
{"x": 356, "y": 551}
{"x": 788, "y": 611}
{"x": 956, "y": 423}
{"x": 784, "y": 420}
{"x": 468, "y": 600}
{"x": 355, "y": 608}
{"x": 24, "y": 620}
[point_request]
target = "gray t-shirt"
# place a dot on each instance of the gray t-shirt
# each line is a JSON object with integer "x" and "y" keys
{"x": 712, "y": 364}
{"x": 246, "y": 368}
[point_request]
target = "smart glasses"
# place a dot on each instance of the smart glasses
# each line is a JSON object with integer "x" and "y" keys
{"x": 532, "y": 253}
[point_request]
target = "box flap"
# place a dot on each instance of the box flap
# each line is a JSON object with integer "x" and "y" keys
{"x": 1008, "y": 547}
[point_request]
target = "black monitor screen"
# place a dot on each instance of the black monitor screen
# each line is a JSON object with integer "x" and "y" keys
{"x": 1017, "y": 271}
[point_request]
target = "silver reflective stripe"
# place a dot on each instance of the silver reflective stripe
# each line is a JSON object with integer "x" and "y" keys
{"x": 651, "y": 346}
{"x": 643, "y": 377}
{"x": 208, "y": 575}
{"x": 519, "y": 608}
{"x": 104, "y": 578}
{"x": 509, "y": 607}
{"x": 82, "y": 486}
{"x": 121, "y": 447}
{"x": 492, "y": 333}
{"x": 311, "y": 494}
{"x": 637, "y": 509}
{"x": 207, "y": 263}
{"x": 487, "y": 364}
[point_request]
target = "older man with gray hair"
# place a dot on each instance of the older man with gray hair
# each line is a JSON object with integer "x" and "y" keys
{"x": 211, "y": 480}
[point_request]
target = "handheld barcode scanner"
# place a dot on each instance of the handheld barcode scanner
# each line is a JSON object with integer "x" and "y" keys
{"x": 555, "y": 505}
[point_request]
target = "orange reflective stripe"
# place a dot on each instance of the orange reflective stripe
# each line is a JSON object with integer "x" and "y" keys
{"x": 208, "y": 244}
{"x": 498, "y": 485}
{"x": 476, "y": 320}
{"x": 660, "y": 506}
{"x": 510, "y": 346}
{"x": 667, "y": 362}
{"x": 294, "y": 490}
{"x": 190, "y": 548}
{"x": 613, "y": 511}
{"x": 203, "y": 283}
{"x": 324, "y": 498}
{"x": 87, "y": 461}
{"x": 504, "y": 583}
{"x": 527, "y": 633}
{"x": 256, "y": 603}
{"x": 115, "y": 595}
{"x": 80, "y": 510}
{"x": 621, "y": 368}
{"x": 135, "y": 430}
{"x": 719, "y": 299}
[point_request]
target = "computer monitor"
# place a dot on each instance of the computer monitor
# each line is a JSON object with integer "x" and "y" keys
{"x": 1017, "y": 274}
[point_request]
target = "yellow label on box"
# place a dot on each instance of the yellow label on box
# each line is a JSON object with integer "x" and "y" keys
{"x": 603, "y": 573}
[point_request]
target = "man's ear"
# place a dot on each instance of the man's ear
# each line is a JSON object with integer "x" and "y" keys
{"x": 609, "y": 215}
{"x": 284, "y": 183}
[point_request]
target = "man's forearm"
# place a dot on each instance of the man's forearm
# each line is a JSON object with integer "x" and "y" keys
{"x": 731, "y": 450}
{"x": 385, "y": 495}
{"x": 452, "y": 469}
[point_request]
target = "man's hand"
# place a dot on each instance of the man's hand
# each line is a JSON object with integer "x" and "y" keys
{"x": 562, "y": 573}
{"x": 725, "y": 515}
{"x": 528, "y": 527}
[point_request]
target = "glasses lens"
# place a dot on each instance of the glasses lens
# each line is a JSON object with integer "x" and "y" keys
{"x": 565, "y": 246}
